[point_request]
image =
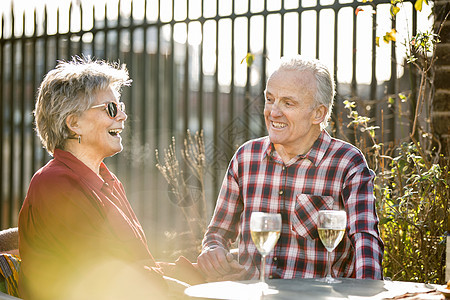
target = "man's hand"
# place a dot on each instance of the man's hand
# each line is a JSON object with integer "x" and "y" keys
{"x": 219, "y": 264}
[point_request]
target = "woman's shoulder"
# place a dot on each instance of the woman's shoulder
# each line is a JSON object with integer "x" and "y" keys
{"x": 54, "y": 172}
{"x": 53, "y": 179}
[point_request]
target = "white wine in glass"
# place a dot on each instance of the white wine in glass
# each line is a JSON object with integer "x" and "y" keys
{"x": 265, "y": 229}
{"x": 331, "y": 227}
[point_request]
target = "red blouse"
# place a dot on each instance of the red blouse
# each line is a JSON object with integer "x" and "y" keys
{"x": 74, "y": 223}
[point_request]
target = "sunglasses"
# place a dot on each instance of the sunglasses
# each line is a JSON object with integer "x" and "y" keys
{"x": 112, "y": 108}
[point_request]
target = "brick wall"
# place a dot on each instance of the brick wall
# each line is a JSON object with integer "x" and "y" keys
{"x": 440, "y": 117}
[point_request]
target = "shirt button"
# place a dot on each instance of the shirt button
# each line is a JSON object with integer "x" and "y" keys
{"x": 281, "y": 192}
{"x": 275, "y": 259}
{"x": 270, "y": 276}
{"x": 284, "y": 168}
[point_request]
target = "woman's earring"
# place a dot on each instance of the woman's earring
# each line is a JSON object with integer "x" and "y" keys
{"x": 79, "y": 139}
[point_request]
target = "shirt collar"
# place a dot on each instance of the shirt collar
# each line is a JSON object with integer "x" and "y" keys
{"x": 78, "y": 167}
{"x": 315, "y": 154}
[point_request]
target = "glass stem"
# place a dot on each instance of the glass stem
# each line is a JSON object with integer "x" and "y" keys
{"x": 329, "y": 277}
{"x": 263, "y": 268}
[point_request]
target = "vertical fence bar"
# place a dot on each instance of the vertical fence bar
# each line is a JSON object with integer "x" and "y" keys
{"x": 130, "y": 170}
{"x": 334, "y": 111}
{"x": 69, "y": 33}
{"x": 282, "y": 15}
{"x": 232, "y": 86}
{"x": 119, "y": 30}
{"x": 186, "y": 75}
{"x": 144, "y": 178}
{"x": 45, "y": 63}
{"x": 317, "y": 10}
{"x": 171, "y": 67}
{"x": 80, "y": 44}
{"x": 264, "y": 62}
{"x": 200, "y": 68}
{"x": 354, "y": 31}
{"x": 392, "y": 87}
{"x": 22, "y": 117}
{"x": 12, "y": 148}
{"x": 156, "y": 112}
{"x": 58, "y": 30}
{"x": 299, "y": 26}
{"x": 33, "y": 88}
{"x": 373, "y": 83}
{"x": 247, "y": 97}
{"x": 215, "y": 106}
{"x": 2, "y": 103}
{"x": 106, "y": 30}
{"x": 94, "y": 30}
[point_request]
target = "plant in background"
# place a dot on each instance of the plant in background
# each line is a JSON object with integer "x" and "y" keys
{"x": 413, "y": 209}
{"x": 411, "y": 184}
{"x": 185, "y": 181}
{"x": 412, "y": 177}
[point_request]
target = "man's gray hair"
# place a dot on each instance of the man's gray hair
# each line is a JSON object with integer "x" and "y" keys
{"x": 69, "y": 89}
{"x": 325, "y": 82}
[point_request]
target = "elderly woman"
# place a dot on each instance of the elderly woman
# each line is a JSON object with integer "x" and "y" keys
{"x": 78, "y": 235}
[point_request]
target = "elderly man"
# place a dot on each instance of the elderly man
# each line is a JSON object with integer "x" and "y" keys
{"x": 297, "y": 170}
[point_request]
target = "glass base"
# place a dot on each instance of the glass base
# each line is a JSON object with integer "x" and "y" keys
{"x": 328, "y": 279}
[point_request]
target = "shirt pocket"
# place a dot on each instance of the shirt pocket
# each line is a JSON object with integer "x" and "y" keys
{"x": 306, "y": 213}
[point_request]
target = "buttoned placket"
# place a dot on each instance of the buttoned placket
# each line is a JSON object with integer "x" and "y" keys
{"x": 283, "y": 211}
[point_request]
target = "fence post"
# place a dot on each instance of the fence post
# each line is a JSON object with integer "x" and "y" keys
{"x": 441, "y": 104}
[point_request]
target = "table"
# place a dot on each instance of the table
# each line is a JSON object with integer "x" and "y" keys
{"x": 285, "y": 289}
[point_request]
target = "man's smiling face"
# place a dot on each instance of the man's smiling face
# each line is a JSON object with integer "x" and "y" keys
{"x": 290, "y": 108}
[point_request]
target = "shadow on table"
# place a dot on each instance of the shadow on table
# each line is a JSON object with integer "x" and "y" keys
{"x": 312, "y": 289}
{"x": 360, "y": 287}
{"x": 281, "y": 289}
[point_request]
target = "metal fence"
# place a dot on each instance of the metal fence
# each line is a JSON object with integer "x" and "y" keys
{"x": 185, "y": 59}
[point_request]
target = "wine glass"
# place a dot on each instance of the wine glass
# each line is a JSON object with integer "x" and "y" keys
{"x": 331, "y": 227}
{"x": 265, "y": 229}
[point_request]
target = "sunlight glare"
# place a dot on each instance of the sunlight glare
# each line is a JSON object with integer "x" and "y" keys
{"x": 308, "y": 33}
{"x": 291, "y": 34}
{"x": 344, "y": 44}
{"x": 364, "y": 47}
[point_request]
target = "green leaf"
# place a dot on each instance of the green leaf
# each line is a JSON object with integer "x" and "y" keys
{"x": 394, "y": 10}
{"x": 249, "y": 59}
{"x": 349, "y": 104}
{"x": 418, "y": 5}
{"x": 390, "y": 36}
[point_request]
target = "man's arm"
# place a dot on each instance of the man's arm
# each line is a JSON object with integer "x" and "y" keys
{"x": 369, "y": 255}
{"x": 215, "y": 261}
{"x": 359, "y": 201}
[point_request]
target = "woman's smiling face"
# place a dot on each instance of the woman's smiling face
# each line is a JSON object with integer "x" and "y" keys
{"x": 100, "y": 134}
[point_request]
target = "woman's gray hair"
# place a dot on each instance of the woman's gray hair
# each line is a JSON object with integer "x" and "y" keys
{"x": 324, "y": 79}
{"x": 69, "y": 89}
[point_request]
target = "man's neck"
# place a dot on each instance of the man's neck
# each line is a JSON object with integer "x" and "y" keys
{"x": 287, "y": 152}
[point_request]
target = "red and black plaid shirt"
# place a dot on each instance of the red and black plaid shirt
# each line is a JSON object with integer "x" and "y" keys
{"x": 332, "y": 175}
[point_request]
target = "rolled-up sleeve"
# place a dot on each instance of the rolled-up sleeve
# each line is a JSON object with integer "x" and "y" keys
{"x": 363, "y": 222}
{"x": 224, "y": 226}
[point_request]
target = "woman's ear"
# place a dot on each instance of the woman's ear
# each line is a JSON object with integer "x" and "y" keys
{"x": 320, "y": 114}
{"x": 72, "y": 123}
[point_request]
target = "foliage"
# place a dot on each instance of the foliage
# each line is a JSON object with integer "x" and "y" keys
{"x": 412, "y": 178}
{"x": 412, "y": 206}
{"x": 412, "y": 182}
{"x": 412, "y": 195}
{"x": 185, "y": 180}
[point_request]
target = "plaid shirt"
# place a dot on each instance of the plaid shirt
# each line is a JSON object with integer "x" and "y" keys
{"x": 332, "y": 175}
